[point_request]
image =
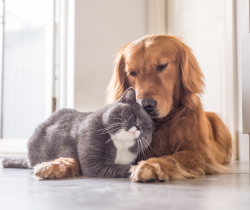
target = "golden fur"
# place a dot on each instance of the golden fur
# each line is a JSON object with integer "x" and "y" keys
{"x": 191, "y": 142}
{"x": 58, "y": 169}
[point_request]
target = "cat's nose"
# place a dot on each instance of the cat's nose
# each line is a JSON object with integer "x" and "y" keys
{"x": 133, "y": 129}
{"x": 137, "y": 127}
{"x": 148, "y": 105}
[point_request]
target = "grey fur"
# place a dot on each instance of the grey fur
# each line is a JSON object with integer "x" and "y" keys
{"x": 86, "y": 137}
{"x": 15, "y": 163}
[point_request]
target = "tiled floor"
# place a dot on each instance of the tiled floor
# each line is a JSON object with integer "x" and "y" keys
{"x": 19, "y": 190}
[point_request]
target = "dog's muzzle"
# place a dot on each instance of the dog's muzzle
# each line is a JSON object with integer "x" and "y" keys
{"x": 148, "y": 105}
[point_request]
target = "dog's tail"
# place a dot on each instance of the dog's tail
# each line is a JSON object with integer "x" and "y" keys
{"x": 15, "y": 163}
{"x": 221, "y": 135}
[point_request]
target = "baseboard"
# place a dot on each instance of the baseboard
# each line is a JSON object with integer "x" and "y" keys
{"x": 243, "y": 146}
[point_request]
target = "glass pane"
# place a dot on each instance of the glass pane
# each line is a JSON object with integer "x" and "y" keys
{"x": 23, "y": 67}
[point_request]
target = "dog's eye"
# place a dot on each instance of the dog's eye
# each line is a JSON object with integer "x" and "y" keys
{"x": 132, "y": 73}
{"x": 161, "y": 67}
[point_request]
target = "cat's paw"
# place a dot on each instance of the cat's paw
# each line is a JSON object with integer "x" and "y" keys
{"x": 149, "y": 171}
{"x": 57, "y": 169}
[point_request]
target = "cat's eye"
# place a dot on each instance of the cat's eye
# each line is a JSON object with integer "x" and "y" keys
{"x": 132, "y": 118}
{"x": 145, "y": 127}
{"x": 132, "y": 73}
{"x": 161, "y": 67}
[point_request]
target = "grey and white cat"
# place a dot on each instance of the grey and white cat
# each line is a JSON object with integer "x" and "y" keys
{"x": 105, "y": 142}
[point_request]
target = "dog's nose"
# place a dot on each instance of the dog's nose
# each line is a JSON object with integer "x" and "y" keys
{"x": 148, "y": 105}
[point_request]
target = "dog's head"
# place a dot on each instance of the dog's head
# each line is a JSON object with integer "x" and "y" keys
{"x": 162, "y": 70}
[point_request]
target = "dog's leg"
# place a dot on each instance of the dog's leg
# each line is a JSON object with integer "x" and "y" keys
{"x": 58, "y": 169}
{"x": 181, "y": 165}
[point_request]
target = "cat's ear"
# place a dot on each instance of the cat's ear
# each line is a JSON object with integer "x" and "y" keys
{"x": 128, "y": 96}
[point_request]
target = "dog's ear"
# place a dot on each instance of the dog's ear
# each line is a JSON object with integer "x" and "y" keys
{"x": 192, "y": 79}
{"x": 118, "y": 83}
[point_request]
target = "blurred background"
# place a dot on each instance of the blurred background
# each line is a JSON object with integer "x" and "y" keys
{"x": 60, "y": 53}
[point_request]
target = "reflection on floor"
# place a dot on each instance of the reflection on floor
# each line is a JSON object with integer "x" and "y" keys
{"x": 19, "y": 190}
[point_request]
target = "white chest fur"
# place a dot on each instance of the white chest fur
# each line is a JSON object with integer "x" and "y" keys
{"x": 123, "y": 141}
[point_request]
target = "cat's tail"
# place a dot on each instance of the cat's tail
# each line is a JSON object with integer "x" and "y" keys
{"x": 16, "y": 163}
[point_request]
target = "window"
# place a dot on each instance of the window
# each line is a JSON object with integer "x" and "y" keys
{"x": 23, "y": 69}
{"x": 26, "y": 41}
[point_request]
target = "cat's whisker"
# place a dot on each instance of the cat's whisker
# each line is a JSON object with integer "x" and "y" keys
{"x": 144, "y": 155}
{"x": 150, "y": 152}
{"x": 144, "y": 151}
{"x": 116, "y": 123}
{"x": 150, "y": 146}
{"x": 104, "y": 130}
{"x": 127, "y": 121}
{"x": 144, "y": 140}
{"x": 138, "y": 150}
{"x": 147, "y": 152}
{"x": 108, "y": 140}
{"x": 141, "y": 149}
{"x": 119, "y": 119}
{"x": 131, "y": 116}
{"x": 112, "y": 136}
{"x": 109, "y": 127}
{"x": 109, "y": 131}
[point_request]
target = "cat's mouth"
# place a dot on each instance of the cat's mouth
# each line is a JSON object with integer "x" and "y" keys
{"x": 134, "y": 131}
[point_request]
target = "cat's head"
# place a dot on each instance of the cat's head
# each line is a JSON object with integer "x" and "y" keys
{"x": 128, "y": 123}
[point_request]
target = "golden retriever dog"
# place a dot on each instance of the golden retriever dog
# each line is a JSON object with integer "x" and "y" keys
{"x": 187, "y": 142}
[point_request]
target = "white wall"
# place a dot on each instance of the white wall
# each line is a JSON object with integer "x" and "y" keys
{"x": 242, "y": 29}
{"x": 101, "y": 28}
{"x": 207, "y": 27}
{"x": 200, "y": 24}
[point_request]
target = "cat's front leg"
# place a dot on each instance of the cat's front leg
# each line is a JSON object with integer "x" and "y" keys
{"x": 94, "y": 168}
{"x": 58, "y": 169}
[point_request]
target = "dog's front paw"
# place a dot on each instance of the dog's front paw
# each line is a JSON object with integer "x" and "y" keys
{"x": 50, "y": 170}
{"x": 58, "y": 169}
{"x": 149, "y": 171}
